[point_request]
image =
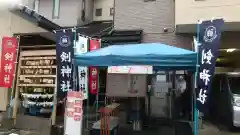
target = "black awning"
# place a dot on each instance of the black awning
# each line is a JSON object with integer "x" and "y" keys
{"x": 33, "y": 16}
{"x": 111, "y": 38}
{"x": 96, "y": 28}
{"x": 36, "y": 39}
{"x": 122, "y": 36}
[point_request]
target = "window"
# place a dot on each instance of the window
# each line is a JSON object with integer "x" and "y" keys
{"x": 111, "y": 11}
{"x": 36, "y": 5}
{"x": 83, "y": 10}
{"x": 56, "y": 8}
{"x": 98, "y": 12}
{"x": 83, "y": 4}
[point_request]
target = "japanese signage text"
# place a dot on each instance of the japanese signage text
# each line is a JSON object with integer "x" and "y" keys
{"x": 209, "y": 41}
{"x": 82, "y": 47}
{"x": 93, "y": 77}
{"x": 64, "y": 54}
{"x": 74, "y": 113}
{"x": 9, "y": 55}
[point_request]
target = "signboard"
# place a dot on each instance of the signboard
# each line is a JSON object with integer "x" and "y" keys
{"x": 209, "y": 40}
{"x": 160, "y": 89}
{"x": 8, "y": 59}
{"x": 126, "y": 85}
{"x": 64, "y": 56}
{"x": 74, "y": 113}
{"x": 82, "y": 47}
{"x": 130, "y": 69}
{"x": 93, "y": 76}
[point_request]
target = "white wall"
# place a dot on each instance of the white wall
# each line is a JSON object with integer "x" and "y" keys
{"x": 105, "y": 5}
{"x": 190, "y": 11}
{"x": 10, "y": 24}
{"x": 70, "y": 11}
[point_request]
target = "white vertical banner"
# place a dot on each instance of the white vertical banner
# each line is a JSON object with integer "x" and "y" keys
{"x": 73, "y": 113}
{"x": 82, "y": 47}
{"x": 196, "y": 44}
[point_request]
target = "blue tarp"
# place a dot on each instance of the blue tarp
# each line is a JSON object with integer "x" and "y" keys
{"x": 163, "y": 56}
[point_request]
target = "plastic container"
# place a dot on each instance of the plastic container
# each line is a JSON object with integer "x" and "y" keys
{"x": 57, "y": 130}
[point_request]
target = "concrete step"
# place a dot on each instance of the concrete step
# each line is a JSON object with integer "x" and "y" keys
{"x": 24, "y": 132}
{"x": 6, "y": 124}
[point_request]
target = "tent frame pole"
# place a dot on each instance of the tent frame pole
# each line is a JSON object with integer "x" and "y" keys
{"x": 196, "y": 111}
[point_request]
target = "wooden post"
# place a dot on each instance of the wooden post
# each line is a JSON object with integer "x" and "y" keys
{"x": 10, "y": 109}
{"x": 54, "y": 110}
{"x": 16, "y": 97}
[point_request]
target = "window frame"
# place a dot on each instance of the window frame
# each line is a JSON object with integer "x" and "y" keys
{"x": 111, "y": 11}
{"x": 56, "y": 12}
{"x": 96, "y": 13}
{"x": 36, "y": 4}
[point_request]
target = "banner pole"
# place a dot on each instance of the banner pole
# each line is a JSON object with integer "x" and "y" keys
{"x": 195, "y": 105}
{"x": 54, "y": 108}
{"x": 98, "y": 90}
{"x": 89, "y": 86}
{"x": 196, "y": 112}
{"x": 10, "y": 108}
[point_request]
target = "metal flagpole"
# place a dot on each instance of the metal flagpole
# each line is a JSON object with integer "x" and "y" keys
{"x": 74, "y": 68}
{"x": 54, "y": 108}
{"x": 98, "y": 90}
{"x": 89, "y": 85}
{"x": 196, "y": 112}
{"x": 14, "y": 79}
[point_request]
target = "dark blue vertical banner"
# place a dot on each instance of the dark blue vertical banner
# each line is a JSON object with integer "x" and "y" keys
{"x": 64, "y": 48}
{"x": 209, "y": 39}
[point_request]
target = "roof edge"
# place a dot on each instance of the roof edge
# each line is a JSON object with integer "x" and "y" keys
{"x": 31, "y": 15}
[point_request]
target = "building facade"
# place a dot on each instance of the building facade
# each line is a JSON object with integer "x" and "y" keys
{"x": 204, "y": 10}
{"x": 162, "y": 21}
{"x": 171, "y": 22}
{"x": 155, "y": 17}
{"x": 197, "y": 10}
{"x": 68, "y": 13}
{"x": 10, "y": 25}
{"x": 38, "y": 19}
{"x": 189, "y": 12}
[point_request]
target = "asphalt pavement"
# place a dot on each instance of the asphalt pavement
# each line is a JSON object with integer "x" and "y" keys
{"x": 208, "y": 129}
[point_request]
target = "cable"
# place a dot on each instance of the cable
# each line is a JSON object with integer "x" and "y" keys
{"x": 79, "y": 34}
{"x": 75, "y": 28}
{"x": 103, "y": 30}
{"x": 167, "y": 32}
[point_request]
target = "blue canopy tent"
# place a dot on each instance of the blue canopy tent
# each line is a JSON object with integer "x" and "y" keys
{"x": 159, "y": 55}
